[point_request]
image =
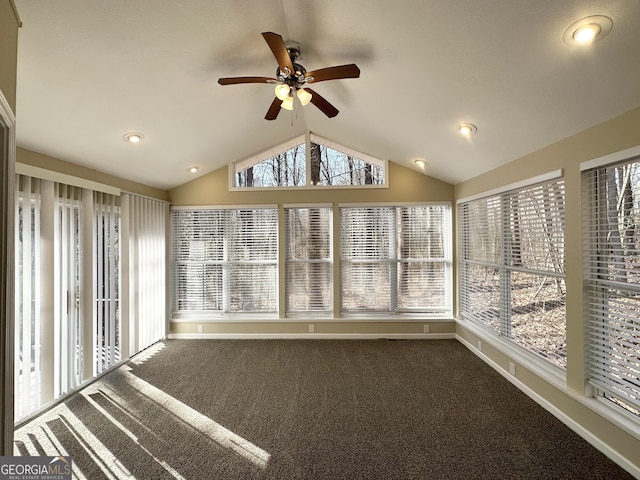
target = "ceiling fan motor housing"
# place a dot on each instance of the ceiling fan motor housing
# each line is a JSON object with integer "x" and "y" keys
{"x": 296, "y": 78}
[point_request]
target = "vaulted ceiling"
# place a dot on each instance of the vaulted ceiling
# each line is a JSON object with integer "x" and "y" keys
{"x": 90, "y": 71}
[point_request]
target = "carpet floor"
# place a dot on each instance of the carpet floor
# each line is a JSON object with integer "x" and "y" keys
{"x": 310, "y": 409}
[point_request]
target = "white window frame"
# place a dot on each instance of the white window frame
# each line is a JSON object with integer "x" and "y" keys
{"x": 306, "y": 140}
{"x": 292, "y": 261}
{"x": 502, "y": 332}
{"x": 225, "y": 262}
{"x": 441, "y": 312}
{"x": 601, "y": 339}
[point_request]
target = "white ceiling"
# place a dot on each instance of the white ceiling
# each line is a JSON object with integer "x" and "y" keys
{"x": 89, "y": 71}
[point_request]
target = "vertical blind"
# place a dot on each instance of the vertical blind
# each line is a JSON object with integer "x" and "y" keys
{"x": 395, "y": 259}
{"x": 612, "y": 281}
{"x": 309, "y": 267}
{"x": 107, "y": 281}
{"x": 27, "y": 330}
{"x": 145, "y": 250}
{"x": 68, "y": 320}
{"x": 225, "y": 260}
{"x": 512, "y": 275}
{"x": 69, "y": 283}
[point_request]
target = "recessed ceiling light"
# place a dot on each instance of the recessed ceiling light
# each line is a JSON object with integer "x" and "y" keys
{"x": 133, "y": 137}
{"x": 421, "y": 163}
{"x": 193, "y": 169}
{"x": 587, "y": 30}
{"x": 467, "y": 129}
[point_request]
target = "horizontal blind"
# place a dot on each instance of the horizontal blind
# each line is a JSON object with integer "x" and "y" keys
{"x": 198, "y": 254}
{"x": 309, "y": 267}
{"x": 423, "y": 246}
{"x": 512, "y": 274}
{"x": 480, "y": 230}
{"x": 366, "y": 245}
{"x": 395, "y": 259}
{"x": 253, "y": 260}
{"x": 534, "y": 269}
{"x": 225, "y": 260}
{"x": 612, "y": 278}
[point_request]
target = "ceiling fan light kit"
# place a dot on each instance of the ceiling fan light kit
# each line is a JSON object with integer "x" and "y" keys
{"x": 291, "y": 77}
{"x": 303, "y": 96}
{"x": 282, "y": 91}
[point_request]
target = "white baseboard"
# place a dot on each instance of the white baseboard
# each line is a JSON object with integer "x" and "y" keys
{"x": 311, "y": 336}
{"x": 559, "y": 414}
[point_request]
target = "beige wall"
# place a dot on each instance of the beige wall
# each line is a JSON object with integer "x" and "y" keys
{"x": 9, "y": 23}
{"x": 614, "y": 135}
{"x": 35, "y": 159}
{"x": 405, "y": 185}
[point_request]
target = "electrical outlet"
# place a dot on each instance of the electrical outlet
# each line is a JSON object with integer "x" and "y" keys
{"x": 512, "y": 368}
{"x": 480, "y": 345}
{"x": 312, "y": 328}
{"x": 200, "y": 329}
{"x": 425, "y": 328}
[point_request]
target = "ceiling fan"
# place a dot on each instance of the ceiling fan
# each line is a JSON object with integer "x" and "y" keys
{"x": 292, "y": 78}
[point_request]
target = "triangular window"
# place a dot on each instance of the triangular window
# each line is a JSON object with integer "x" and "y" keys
{"x": 286, "y": 167}
{"x": 332, "y": 164}
{"x": 327, "y": 165}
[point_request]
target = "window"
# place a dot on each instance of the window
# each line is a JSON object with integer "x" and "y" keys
{"x": 283, "y": 169}
{"x": 327, "y": 164}
{"x": 395, "y": 259}
{"x": 335, "y": 165}
{"x": 225, "y": 260}
{"x": 512, "y": 276}
{"x": 612, "y": 282}
{"x": 309, "y": 268}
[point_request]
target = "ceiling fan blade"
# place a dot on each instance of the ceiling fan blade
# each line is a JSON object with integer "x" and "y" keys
{"x": 324, "y": 106}
{"x": 279, "y": 49}
{"x": 334, "y": 73}
{"x": 239, "y": 80}
{"x": 274, "y": 109}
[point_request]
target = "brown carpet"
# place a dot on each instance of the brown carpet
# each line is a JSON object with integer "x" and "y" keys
{"x": 310, "y": 409}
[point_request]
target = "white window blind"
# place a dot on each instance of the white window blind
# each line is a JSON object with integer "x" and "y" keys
{"x": 225, "y": 260}
{"x": 309, "y": 267}
{"x": 395, "y": 259}
{"x": 612, "y": 281}
{"x": 144, "y": 253}
{"x": 27, "y": 290}
{"x": 107, "y": 281}
{"x": 512, "y": 266}
{"x": 68, "y": 287}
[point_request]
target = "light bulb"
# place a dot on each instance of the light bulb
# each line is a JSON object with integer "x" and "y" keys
{"x": 133, "y": 137}
{"x": 586, "y": 33}
{"x": 421, "y": 163}
{"x": 282, "y": 91}
{"x": 303, "y": 96}
{"x": 287, "y": 103}
{"x": 466, "y": 129}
